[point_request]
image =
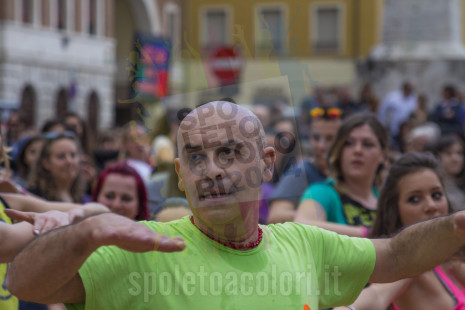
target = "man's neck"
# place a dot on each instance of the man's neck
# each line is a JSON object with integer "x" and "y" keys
{"x": 240, "y": 232}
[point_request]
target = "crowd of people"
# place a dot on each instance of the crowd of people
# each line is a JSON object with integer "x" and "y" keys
{"x": 333, "y": 184}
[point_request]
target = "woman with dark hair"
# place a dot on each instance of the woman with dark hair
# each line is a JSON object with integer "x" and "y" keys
{"x": 388, "y": 217}
{"x": 449, "y": 149}
{"x": 122, "y": 190}
{"x": 346, "y": 203}
{"x": 27, "y": 159}
{"x": 414, "y": 192}
{"x": 57, "y": 176}
{"x": 75, "y": 123}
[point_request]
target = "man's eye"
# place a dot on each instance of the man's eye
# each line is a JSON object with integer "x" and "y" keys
{"x": 195, "y": 157}
{"x": 227, "y": 151}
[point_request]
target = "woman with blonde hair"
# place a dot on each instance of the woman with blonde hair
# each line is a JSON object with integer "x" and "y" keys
{"x": 57, "y": 175}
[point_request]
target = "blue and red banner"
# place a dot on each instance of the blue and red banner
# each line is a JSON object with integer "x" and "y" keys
{"x": 153, "y": 66}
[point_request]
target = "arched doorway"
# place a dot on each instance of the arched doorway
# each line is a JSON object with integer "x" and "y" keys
{"x": 93, "y": 112}
{"x": 27, "y": 109}
{"x": 61, "y": 106}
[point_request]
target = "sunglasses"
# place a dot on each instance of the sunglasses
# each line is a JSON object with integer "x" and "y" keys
{"x": 55, "y": 135}
{"x": 326, "y": 113}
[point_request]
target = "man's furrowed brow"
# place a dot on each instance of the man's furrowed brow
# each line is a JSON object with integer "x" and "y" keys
{"x": 231, "y": 142}
{"x": 189, "y": 148}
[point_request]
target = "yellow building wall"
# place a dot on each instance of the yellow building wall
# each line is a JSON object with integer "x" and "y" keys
{"x": 360, "y": 25}
{"x": 301, "y": 68}
{"x": 124, "y": 30}
{"x": 369, "y": 18}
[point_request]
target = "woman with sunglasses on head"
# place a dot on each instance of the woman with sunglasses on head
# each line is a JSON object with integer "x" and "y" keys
{"x": 57, "y": 176}
{"x": 413, "y": 192}
{"x": 284, "y": 200}
{"x": 346, "y": 203}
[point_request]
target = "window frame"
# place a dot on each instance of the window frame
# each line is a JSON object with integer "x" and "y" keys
{"x": 313, "y": 25}
{"x": 171, "y": 8}
{"x": 204, "y": 43}
{"x": 283, "y": 8}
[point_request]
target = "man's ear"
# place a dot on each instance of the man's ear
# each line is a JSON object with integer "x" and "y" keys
{"x": 177, "y": 166}
{"x": 269, "y": 157}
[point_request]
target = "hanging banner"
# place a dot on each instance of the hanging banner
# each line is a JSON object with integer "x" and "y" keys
{"x": 152, "y": 66}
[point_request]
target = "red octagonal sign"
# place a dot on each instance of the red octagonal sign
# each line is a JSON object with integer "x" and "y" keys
{"x": 226, "y": 63}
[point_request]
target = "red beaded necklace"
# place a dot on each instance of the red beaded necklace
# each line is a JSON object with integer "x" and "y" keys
{"x": 233, "y": 245}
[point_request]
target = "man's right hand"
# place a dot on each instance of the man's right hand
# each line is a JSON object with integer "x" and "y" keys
{"x": 112, "y": 229}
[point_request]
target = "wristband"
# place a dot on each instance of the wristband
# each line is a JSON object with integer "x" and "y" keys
{"x": 366, "y": 231}
{"x": 21, "y": 190}
{"x": 364, "y": 235}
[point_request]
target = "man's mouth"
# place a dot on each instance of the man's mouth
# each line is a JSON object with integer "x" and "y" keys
{"x": 213, "y": 196}
{"x": 216, "y": 194}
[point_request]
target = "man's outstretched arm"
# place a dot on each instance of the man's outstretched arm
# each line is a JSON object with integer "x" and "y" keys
{"x": 418, "y": 248}
{"x": 67, "y": 248}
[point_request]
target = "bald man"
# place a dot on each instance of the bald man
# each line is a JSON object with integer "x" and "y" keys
{"x": 220, "y": 258}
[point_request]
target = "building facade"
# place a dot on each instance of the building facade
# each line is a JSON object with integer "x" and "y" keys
{"x": 58, "y": 56}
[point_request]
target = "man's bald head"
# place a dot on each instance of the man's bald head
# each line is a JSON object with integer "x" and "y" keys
{"x": 223, "y": 161}
{"x": 225, "y": 114}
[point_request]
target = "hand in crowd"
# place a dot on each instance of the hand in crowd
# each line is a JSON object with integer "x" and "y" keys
{"x": 42, "y": 222}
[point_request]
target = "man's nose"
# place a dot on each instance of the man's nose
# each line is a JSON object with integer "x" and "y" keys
{"x": 216, "y": 170}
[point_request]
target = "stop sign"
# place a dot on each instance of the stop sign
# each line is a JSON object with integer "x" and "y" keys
{"x": 226, "y": 63}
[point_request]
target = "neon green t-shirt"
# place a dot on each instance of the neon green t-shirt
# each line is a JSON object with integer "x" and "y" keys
{"x": 294, "y": 265}
{"x": 7, "y": 301}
